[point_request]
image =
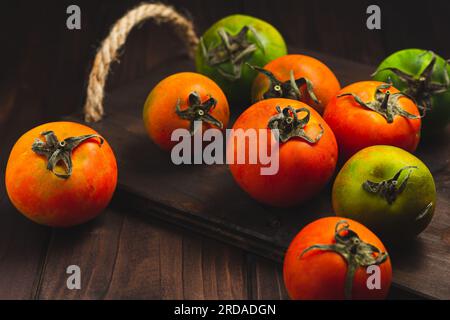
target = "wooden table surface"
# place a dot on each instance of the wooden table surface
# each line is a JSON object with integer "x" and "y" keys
{"x": 121, "y": 254}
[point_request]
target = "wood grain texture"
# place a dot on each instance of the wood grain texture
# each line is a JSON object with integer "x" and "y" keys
{"x": 125, "y": 256}
{"x": 22, "y": 250}
{"x": 266, "y": 279}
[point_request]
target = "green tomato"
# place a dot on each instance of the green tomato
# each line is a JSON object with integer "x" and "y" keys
{"x": 229, "y": 45}
{"x": 424, "y": 76}
{"x": 387, "y": 189}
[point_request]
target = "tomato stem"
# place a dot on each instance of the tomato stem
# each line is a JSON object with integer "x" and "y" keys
{"x": 354, "y": 251}
{"x": 233, "y": 49}
{"x": 388, "y": 189}
{"x": 59, "y": 151}
{"x": 290, "y": 126}
{"x": 288, "y": 89}
{"x": 198, "y": 111}
{"x": 385, "y": 103}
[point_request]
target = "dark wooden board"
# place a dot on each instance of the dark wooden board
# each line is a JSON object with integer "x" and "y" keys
{"x": 207, "y": 200}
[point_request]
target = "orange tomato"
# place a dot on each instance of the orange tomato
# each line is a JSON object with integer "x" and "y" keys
{"x": 60, "y": 196}
{"x": 357, "y": 127}
{"x": 195, "y": 96}
{"x": 320, "y": 273}
{"x": 324, "y": 83}
{"x": 304, "y": 166}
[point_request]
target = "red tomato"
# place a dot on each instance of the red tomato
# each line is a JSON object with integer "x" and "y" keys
{"x": 370, "y": 113}
{"x": 61, "y": 174}
{"x": 319, "y": 273}
{"x": 179, "y": 100}
{"x": 306, "y": 160}
{"x": 315, "y": 83}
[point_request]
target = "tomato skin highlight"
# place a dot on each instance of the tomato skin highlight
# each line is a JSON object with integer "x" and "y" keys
{"x": 49, "y": 200}
{"x": 395, "y": 222}
{"x": 413, "y": 62}
{"x": 320, "y": 275}
{"x": 304, "y": 168}
{"x": 160, "y": 118}
{"x": 238, "y": 91}
{"x": 325, "y": 84}
{"x": 356, "y": 127}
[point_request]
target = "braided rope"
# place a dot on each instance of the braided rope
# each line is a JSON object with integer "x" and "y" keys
{"x": 109, "y": 49}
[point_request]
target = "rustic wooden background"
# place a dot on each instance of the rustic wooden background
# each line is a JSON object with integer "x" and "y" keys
{"x": 43, "y": 75}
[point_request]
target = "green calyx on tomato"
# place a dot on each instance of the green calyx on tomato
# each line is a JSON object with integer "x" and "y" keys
{"x": 290, "y": 126}
{"x": 388, "y": 189}
{"x": 422, "y": 87}
{"x": 287, "y": 89}
{"x": 234, "y": 49}
{"x": 198, "y": 111}
{"x": 59, "y": 151}
{"x": 355, "y": 252}
{"x": 384, "y": 103}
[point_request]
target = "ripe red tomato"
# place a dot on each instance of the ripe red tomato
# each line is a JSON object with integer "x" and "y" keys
{"x": 61, "y": 174}
{"x": 370, "y": 113}
{"x": 315, "y": 267}
{"x": 179, "y": 100}
{"x": 297, "y": 77}
{"x": 307, "y": 152}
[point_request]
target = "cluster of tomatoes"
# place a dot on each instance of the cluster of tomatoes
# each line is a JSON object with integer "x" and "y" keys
{"x": 371, "y": 127}
{"x": 368, "y": 128}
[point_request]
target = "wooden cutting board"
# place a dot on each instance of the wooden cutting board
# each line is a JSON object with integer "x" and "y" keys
{"x": 206, "y": 199}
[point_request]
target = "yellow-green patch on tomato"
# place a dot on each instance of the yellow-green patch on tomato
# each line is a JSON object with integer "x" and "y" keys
{"x": 365, "y": 190}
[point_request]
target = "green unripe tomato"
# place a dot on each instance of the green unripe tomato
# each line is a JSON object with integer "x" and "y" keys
{"x": 425, "y": 76}
{"x": 232, "y": 42}
{"x": 387, "y": 189}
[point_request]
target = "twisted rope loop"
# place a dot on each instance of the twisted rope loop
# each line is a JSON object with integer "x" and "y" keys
{"x": 109, "y": 49}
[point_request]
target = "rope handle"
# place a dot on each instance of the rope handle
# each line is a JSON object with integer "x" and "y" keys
{"x": 109, "y": 49}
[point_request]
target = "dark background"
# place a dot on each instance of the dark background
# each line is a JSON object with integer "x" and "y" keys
{"x": 42, "y": 58}
{"x": 43, "y": 72}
